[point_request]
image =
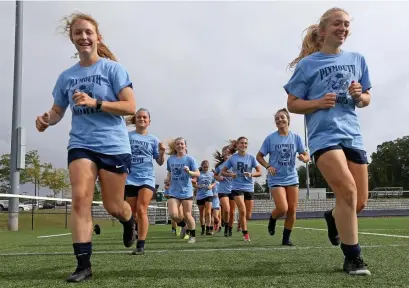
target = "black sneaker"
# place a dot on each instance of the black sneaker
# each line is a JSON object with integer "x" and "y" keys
{"x": 287, "y": 243}
{"x": 332, "y": 228}
{"x": 79, "y": 275}
{"x": 356, "y": 266}
{"x": 272, "y": 226}
{"x": 129, "y": 236}
{"x": 226, "y": 234}
{"x": 138, "y": 251}
{"x": 230, "y": 233}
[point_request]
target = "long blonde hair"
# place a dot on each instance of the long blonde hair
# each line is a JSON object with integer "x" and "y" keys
{"x": 313, "y": 39}
{"x": 102, "y": 50}
{"x": 172, "y": 146}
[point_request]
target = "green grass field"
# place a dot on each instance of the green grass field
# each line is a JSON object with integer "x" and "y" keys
{"x": 214, "y": 261}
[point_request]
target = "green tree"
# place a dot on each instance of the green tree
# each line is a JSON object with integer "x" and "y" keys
{"x": 55, "y": 179}
{"x": 265, "y": 187}
{"x": 316, "y": 178}
{"x": 5, "y": 173}
{"x": 97, "y": 191}
{"x": 257, "y": 188}
{"x": 390, "y": 164}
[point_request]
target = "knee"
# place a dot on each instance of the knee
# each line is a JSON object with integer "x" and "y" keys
{"x": 141, "y": 210}
{"x": 347, "y": 196}
{"x": 174, "y": 214}
{"x": 80, "y": 206}
{"x": 291, "y": 211}
{"x": 187, "y": 215}
{"x": 113, "y": 209}
{"x": 281, "y": 210}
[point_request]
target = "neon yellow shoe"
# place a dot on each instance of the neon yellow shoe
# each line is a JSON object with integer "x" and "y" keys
{"x": 177, "y": 231}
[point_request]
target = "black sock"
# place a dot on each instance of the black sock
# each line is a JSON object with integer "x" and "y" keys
{"x": 207, "y": 228}
{"x": 245, "y": 232}
{"x": 193, "y": 233}
{"x": 230, "y": 229}
{"x": 182, "y": 224}
{"x": 83, "y": 253}
{"x": 188, "y": 231}
{"x": 128, "y": 224}
{"x": 286, "y": 235}
{"x": 351, "y": 251}
{"x": 226, "y": 227}
{"x": 211, "y": 228}
{"x": 203, "y": 228}
{"x": 140, "y": 244}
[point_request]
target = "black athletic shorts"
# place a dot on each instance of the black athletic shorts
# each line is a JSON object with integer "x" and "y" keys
{"x": 120, "y": 163}
{"x": 353, "y": 155}
{"x": 204, "y": 200}
{"x": 247, "y": 195}
{"x": 133, "y": 191}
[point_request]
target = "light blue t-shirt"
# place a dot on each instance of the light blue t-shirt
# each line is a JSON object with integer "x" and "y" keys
{"x": 166, "y": 192}
{"x": 319, "y": 74}
{"x": 239, "y": 165}
{"x": 282, "y": 152}
{"x": 224, "y": 186}
{"x": 145, "y": 149}
{"x": 93, "y": 129}
{"x": 180, "y": 182}
{"x": 205, "y": 178}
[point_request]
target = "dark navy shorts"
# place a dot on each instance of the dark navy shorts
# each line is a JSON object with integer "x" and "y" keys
{"x": 133, "y": 191}
{"x": 354, "y": 155}
{"x": 204, "y": 200}
{"x": 247, "y": 195}
{"x": 221, "y": 195}
{"x": 120, "y": 163}
{"x": 291, "y": 185}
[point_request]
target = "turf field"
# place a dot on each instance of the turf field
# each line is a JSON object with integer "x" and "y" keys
{"x": 214, "y": 261}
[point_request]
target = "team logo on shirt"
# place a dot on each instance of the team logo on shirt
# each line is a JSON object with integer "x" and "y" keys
{"x": 338, "y": 83}
{"x": 177, "y": 171}
{"x": 136, "y": 152}
{"x": 285, "y": 154}
{"x": 87, "y": 88}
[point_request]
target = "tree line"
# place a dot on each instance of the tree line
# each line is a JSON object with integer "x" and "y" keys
{"x": 40, "y": 174}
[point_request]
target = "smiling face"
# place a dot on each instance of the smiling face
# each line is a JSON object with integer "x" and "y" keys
{"x": 142, "y": 120}
{"x": 335, "y": 28}
{"x": 281, "y": 120}
{"x": 180, "y": 146}
{"x": 242, "y": 144}
{"x": 85, "y": 37}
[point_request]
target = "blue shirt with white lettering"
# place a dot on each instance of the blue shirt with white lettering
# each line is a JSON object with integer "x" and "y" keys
{"x": 206, "y": 179}
{"x": 145, "y": 149}
{"x": 224, "y": 186}
{"x": 282, "y": 151}
{"x": 319, "y": 74}
{"x": 239, "y": 165}
{"x": 94, "y": 129}
{"x": 181, "y": 186}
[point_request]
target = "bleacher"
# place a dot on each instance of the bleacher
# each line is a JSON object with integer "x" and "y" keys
{"x": 311, "y": 208}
